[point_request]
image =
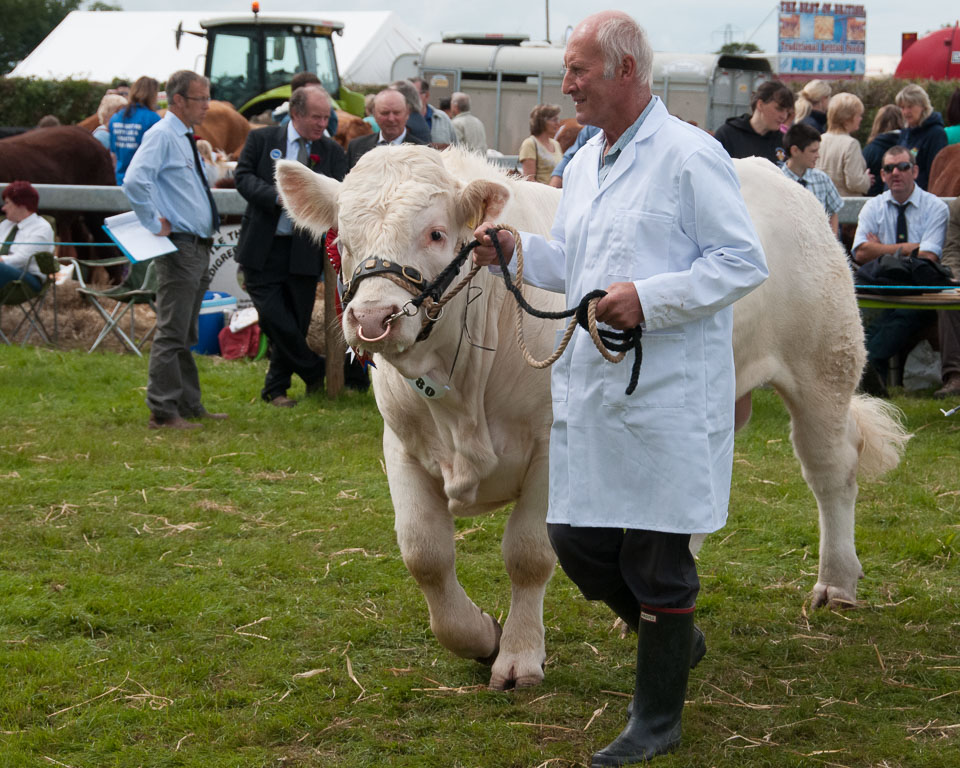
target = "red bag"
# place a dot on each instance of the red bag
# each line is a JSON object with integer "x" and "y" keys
{"x": 242, "y": 343}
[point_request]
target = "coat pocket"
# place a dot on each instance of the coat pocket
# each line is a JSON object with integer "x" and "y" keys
{"x": 663, "y": 375}
{"x": 639, "y": 244}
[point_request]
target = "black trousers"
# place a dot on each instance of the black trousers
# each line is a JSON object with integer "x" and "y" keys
{"x": 656, "y": 567}
{"x": 284, "y": 303}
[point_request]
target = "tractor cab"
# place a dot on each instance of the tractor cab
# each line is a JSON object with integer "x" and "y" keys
{"x": 250, "y": 60}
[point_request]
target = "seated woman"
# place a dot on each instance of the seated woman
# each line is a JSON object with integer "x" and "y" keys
{"x": 841, "y": 157}
{"x": 22, "y": 234}
{"x": 884, "y": 133}
{"x": 758, "y": 134}
{"x": 540, "y": 152}
{"x": 110, "y": 104}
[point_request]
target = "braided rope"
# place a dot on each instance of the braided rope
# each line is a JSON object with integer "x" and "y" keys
{"x": 568, "y": 334}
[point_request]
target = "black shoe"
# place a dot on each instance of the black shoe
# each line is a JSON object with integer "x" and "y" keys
{"x": 664, "y": 654}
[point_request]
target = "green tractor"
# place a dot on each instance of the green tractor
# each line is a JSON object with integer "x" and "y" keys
{"x": 250, "y": 60}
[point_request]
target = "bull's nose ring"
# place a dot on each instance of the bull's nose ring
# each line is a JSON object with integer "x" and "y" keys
{"x": 378, "y": 338}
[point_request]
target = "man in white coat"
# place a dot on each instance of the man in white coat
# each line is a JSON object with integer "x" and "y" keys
{"x": 652, "y": 213}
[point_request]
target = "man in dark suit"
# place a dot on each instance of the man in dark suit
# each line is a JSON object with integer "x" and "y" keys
{"x": 281, "y": 265}
{"x": 390, "y": 110}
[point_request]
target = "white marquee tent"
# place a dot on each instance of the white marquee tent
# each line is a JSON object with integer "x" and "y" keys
{"x": 102, "y": 45}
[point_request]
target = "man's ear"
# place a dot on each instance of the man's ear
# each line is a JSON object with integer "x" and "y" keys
{"x": 309, "y": 198}
{"x": 480, "y": 201}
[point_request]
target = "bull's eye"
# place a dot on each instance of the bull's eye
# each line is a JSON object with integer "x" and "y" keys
{"x": 436, "y": 236}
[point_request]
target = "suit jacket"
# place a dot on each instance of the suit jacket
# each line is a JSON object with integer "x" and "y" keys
{"x": 254, "y": 177}
{"x": 363, "y": 144}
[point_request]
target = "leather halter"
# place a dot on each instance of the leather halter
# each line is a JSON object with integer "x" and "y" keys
{"x": 406, "y": 277}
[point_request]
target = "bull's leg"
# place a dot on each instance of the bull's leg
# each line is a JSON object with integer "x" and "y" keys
{"x": 425, "y": 534}
{"x": 529, "y": 560}
{"x": 826, "y": 441}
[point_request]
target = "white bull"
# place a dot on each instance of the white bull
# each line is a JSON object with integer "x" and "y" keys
{"x": 482, "y": 442}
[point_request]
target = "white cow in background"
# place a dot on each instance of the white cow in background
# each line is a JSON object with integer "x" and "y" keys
{"x": 482, "y": 442}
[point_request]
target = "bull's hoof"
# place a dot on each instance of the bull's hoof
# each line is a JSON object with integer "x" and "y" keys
{"x": 487, "y": 661}
{"x": 511, "y": 680}
{"x": 830, "y": 596}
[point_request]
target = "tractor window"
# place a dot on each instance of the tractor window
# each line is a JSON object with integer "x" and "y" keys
{"x": 283, "y": 59}
{"x": 234, "y": 67}
{"x": 318, "y": 58}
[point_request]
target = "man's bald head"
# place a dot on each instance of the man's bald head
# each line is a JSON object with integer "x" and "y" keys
{"x": 390, "y": 110}
{"x": 617, "y": 36}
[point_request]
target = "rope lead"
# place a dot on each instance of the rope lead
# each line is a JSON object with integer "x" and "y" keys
{"x": 584, "y": 314}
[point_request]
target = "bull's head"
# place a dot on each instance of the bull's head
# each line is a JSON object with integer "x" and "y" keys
{"x": 399, "y": 205}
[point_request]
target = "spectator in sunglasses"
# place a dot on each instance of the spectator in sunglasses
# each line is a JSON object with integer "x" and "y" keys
{"x": 908, "y": 219}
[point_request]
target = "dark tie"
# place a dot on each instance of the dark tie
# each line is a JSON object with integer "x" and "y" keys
{"x": 214, "y": 213}
{"x": 11, "y": 236}
{"x": 802, "y": 183}
{"x": 902, "y": 222}
{"x": 302, "y": 151}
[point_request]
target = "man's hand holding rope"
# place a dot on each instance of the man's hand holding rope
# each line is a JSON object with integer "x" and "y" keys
{"x": 620, "y": 308}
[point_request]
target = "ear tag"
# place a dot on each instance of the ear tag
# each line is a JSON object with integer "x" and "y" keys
{"x": 427, "y": 388}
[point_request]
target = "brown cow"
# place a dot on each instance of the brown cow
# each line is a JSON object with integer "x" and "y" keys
{"x": 224, "y": 127}
{"x": 62, "y": 155}
{"x": 945, "y": 172}
{"x": 567, "y": 134}
{"x": 350, "y": 127}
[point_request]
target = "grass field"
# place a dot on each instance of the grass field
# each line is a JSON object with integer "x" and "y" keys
{"x": 235, "y": 597}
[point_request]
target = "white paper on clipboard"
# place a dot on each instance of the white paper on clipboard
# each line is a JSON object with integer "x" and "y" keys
{"x": 136, "y": 241}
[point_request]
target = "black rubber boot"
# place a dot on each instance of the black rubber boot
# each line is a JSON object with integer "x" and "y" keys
{"x": 664, "y": 646}
{"x": 625, "y": 605}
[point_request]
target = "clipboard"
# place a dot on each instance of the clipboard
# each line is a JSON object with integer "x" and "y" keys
{"x": 136, "y": 241}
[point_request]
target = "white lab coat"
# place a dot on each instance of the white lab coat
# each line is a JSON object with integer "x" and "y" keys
{"x": 670, "y": 218}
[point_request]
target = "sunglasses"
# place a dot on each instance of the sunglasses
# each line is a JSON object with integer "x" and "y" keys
{"x": 903, "y": 167}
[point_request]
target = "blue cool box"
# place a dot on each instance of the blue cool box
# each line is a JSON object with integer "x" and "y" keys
{"x": 214, "y": 313}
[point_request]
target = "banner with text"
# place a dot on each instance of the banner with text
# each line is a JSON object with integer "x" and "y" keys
{"x": 822, "y": 40}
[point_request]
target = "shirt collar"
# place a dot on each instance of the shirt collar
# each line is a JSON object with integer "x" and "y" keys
{"x": 181, "y": 126}
{"x": 292, "y": 135}
{"x": 628, "y": 135}
{"x": 914, "y": 197}
{"x": 396, "y": 141}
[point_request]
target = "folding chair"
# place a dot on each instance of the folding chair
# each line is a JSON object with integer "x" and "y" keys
{"x": 19, "y": 293}
{"x": 138, "y": 287}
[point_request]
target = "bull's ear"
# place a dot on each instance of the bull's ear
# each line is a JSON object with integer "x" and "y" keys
{"x": 482, "y": 200}
{"x": 309, "y": 198}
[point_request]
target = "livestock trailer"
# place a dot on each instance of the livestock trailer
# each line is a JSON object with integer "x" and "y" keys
{"x": 505, "y": 82}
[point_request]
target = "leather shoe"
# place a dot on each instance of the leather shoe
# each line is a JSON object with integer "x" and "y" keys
{"x": 170, "y": 422}
{"x": 951, "y": 388}
{"x": 282, "y": 401}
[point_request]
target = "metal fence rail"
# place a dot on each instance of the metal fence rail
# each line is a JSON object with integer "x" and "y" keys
{"x": 230, "y": 202}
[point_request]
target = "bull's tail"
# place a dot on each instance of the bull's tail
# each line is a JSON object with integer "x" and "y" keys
{"x": 882, "y": 435}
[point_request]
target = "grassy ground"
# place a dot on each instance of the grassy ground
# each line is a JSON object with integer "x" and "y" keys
{"x": 235, "y": 597}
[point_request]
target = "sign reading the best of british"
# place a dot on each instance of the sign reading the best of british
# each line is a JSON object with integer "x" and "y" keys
{"x": 822, "y": 40}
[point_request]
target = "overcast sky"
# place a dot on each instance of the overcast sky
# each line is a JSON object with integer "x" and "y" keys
{"x": 674, "y": 25}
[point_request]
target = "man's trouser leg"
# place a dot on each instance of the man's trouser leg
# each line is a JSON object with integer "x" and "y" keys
{"x": 173, "y": 385}
{"x": 281, "y": 301}
{"x": 659, "y": 573}
{"x": 890, "y": 334}
{"x": 948, "y": 321}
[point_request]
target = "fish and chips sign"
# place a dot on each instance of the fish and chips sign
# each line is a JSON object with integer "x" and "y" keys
{"x": 822, "y": 40}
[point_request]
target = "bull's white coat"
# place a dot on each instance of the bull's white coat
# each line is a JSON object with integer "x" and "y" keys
{"x": 484, "y": 443}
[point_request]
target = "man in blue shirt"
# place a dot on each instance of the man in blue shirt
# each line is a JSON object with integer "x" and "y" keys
{"x": 904, "y": 218}
{"x": 167, "y": 188}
